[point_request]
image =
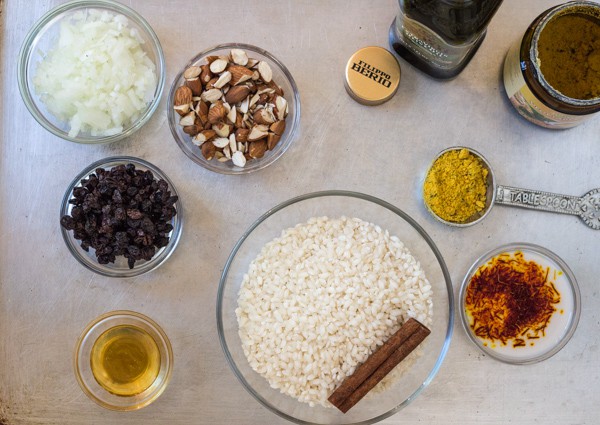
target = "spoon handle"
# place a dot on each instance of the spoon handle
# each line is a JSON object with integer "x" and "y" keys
{"x": 538, "y": 200}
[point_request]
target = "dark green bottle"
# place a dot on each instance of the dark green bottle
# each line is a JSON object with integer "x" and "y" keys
{"x": 441, "y": 36}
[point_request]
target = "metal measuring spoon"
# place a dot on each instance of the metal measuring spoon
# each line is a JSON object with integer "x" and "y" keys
{"x": 587, "y": 207}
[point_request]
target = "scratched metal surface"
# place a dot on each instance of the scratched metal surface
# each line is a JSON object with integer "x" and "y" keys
{"x": 46, "y": 297}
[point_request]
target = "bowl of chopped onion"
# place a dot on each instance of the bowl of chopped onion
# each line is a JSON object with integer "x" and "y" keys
{"x": 91, "y": 71}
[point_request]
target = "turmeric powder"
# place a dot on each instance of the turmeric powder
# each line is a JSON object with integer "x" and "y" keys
{"x": 456, "y": 185}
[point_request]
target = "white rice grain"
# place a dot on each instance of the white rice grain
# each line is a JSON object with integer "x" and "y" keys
{"x": 319, "y": 299}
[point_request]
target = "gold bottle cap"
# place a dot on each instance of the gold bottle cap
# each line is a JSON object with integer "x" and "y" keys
{"x": 372, "y": 75}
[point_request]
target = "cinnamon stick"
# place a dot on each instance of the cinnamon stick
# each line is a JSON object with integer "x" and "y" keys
{"x": 379, "y": 364}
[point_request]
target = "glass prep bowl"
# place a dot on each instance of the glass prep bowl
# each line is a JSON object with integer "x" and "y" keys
{"x": 562, "y": 324}
{"x": 85, "y": 346}
{"x": 42, "y": 38}
{"x": 374, "y": 407}
{"x": 281, "y": 76}
{"x": 120, "y": 268}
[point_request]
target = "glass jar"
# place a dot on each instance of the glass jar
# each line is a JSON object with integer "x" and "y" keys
{"x": 440, "y": 37}
{"x": 528, "y": 88}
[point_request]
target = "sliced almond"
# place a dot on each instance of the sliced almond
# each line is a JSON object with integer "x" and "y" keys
{"x": 227, "y": 152}
{"x": 265, "y": 71}
{"x": 211, "y": 95}
{"x": 216, "y": 113}
{"x": 244, "y": 105}
{"x": 241, "y": 134}
{"x": 263, "y": 99}
{"x": 199, "y": 139}
{"x": 275, "y": 87}
{"x": 281, "y": 105}
{"x": 205, "y": 75}
{"x": 198, "y": 109}
{"x": 201, "y": 111}
{"x": 255, "y": 75}
{"x": 252, "y": 63}
{"x": 278, "y": 127}
{"x": 238, "y": 159}
{"x": 257, "y": 149}
{"x": 253, "y": 100}
{"x": 241, "y": 147}
{"x": 182, "y": 109}
{"x": 211, "y": 83}
{"x": 232, "y": 143}
{"x": 221, "y": 129}
{"x": 188, "y": 119}
{"x": 239, "y": 121}
{"x": 239, "y": 57}
{"x": 192, "y": 72}
{"x": 251, "y": 85}
{"x": 220, "y": 142}
{"x": 208, "y": 151}
{"x": 218, "y": 66}
{"x": 195, "y": 85}
{"x": 192, "y": 130}
{"x": 223, "y": 79}
{"x": 272, "y": 140}
{"x": 264, "y": 116}
{"x": 264, "y": 89}
{"x": 203, "y": 136}
{"x": 248, "y": 121}
{"x": 257, "y": 133}
{"x": 231, "y": 116}
{"x": 237, "y": 94}
{"x": 239, "y": 74}
{"x": 183, "y": 96}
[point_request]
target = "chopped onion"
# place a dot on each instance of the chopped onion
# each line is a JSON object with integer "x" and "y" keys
{"x": 97, "y": 77}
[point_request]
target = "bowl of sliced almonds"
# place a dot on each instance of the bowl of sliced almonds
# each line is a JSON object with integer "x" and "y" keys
{"x": 234, "y": 109}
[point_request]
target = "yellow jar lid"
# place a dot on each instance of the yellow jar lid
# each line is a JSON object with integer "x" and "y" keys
{"x": 372, "y": 75}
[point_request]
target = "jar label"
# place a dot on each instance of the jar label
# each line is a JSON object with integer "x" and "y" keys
{"x": 526, "y": 103}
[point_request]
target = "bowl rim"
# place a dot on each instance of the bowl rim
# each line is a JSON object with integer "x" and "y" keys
{"x": 210, "y": 165}
{"x": 365, "y": 197}
{"x": 544, "y": 252}
{"x": 148, "y": 266}
{"x": 25, "y": 55}
{"x": 129, "y": 317}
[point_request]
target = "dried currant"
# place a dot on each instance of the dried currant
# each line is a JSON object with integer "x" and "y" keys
{"x": 121, "y": 212}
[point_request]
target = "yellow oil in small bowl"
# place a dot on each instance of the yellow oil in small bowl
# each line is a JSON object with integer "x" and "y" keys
{"x": 125, "y": 360}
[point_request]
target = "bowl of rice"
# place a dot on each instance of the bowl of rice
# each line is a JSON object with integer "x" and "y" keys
{"x": 91, "y": 71}
{"x": 314, "y": 287}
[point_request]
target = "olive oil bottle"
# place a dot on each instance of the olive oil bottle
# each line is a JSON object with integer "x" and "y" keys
{"x": 440, "y": 37}
{"x": 125, "y": 360}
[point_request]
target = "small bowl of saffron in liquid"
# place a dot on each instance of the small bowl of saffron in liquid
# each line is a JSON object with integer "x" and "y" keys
{"x": 123, "y": 360}
{"x": 520, "y": 303}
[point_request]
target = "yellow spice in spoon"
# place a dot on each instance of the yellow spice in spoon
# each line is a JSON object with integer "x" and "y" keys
{"x": 455, "y": 186}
